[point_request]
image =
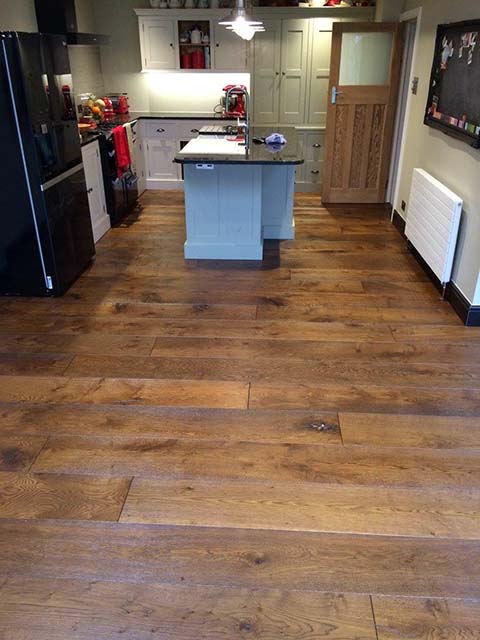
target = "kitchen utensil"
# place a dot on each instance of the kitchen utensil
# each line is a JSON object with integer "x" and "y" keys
{"x": 186, "y": 61}
{"x": 198, "y": 60}
{"x": 196, "y": 36}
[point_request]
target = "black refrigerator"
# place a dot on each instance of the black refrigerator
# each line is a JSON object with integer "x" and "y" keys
{"x": 46, "y": 238}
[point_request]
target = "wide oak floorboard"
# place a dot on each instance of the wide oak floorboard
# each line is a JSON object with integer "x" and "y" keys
{"x": 254, "y": 559}
{"x": 102, "y": 610}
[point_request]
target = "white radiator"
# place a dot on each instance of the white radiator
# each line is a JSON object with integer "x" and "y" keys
{"x": 432, "y": 222}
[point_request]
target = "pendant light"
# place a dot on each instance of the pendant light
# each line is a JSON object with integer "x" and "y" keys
{"x": 242, "y": 23}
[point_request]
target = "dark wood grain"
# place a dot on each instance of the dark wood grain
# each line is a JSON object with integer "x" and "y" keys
{"x": 188, "y": 393}
{"x": 426, "y": 618}
{"x": 17, "y": 453}
{"x": 437, "y": 432}
{"x": 66, "y": 497}
{"x": 378, "y": 398}
{"x": 311, "y": 507}
{"x": 240, "y": 558}
{"x": 199, "y": 424}
{"x": 170, "y": 458}
{"x": 104, "y": 610}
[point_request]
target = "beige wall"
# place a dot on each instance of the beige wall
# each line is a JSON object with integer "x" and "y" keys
{"x": 388, "y": 10}
{"x": 17, "y": 15}
{"x": 452, "y": 162}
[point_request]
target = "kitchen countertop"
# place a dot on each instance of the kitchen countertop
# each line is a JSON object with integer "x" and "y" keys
{"x": 94, "y": 134}
{"x": 219, "y": 150}
{"x": 163, "y": 115}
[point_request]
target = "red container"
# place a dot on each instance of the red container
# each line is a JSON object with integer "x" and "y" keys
{"x": 186, "y": 61}
{"x": 198, "y": 60}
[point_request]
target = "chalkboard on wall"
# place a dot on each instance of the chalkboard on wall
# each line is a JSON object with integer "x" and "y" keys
{"x": 454, "y": 99}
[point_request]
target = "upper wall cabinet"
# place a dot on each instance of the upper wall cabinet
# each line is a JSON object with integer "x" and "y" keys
{"x": 158, "y": 44}
{"x": 229, "y": 51}
{"x": 167, "y": 44}
{"x": 280, "y": 72}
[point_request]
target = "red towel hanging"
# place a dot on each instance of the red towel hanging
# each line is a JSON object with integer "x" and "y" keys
{"x": 122, "y": 153}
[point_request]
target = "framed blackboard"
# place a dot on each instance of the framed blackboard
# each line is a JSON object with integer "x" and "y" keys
{"x": 454, "y": 98}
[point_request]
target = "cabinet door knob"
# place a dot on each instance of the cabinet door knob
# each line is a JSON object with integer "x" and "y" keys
{"x": 316, "y": 145}
{"x": 277, "y": 73}
{"x": 194, "y": 130}
{"x": 90, "y": 190}
{"x": 315, "y": 172}
{"x": 171, "y": 44}
{"x": 283, "y": 73}
{"x": 160, "y": 130}
{"x": 217, "y": 45}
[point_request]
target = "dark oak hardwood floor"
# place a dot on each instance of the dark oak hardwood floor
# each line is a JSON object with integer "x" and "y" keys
{"x": 212, "y": 450}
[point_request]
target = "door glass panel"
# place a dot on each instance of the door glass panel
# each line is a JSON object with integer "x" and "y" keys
{"x": 365, "y": 58}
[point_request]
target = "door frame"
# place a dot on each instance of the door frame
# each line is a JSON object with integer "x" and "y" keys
{"x": 399, "y": 141}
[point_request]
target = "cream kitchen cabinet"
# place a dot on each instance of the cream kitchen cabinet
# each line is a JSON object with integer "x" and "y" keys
{"x": 158, "y": 44}
{"x": 280, "y": 68}
{"x": 92, "y": 165}
{"x": 319, "y": 71}
{"x": 161, "y": 48}
{"x": 312, "y": 145}
{"x": 229, "y": 51}
{"x": 159, "y": 161}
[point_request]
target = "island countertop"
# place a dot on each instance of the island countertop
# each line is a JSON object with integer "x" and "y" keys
{"x": 221, "y": 149}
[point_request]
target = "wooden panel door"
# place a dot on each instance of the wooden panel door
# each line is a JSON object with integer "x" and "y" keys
{"x": 158, "y": 44}
{"x": 365, "y": 70}
{"x": 266, "y": 73}
{"x": 293, "y": 80}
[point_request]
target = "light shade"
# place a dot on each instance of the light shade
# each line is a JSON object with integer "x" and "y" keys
{"x": 242, "y": 23}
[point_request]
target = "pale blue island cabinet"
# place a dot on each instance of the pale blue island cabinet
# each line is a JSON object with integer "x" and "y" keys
{"x": 234, "y": 198}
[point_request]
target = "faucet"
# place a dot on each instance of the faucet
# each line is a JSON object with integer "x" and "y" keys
{"x": 238, "y": 89}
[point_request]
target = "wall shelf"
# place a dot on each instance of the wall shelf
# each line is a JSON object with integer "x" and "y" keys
{"x": 266, "y": 12}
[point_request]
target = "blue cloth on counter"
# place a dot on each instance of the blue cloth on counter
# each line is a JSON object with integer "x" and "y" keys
{"x": 275, "y": 138}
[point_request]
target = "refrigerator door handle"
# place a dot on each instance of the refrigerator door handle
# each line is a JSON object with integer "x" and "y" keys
{"x": 61, "y": 177}
{"x": 48, "y": 282}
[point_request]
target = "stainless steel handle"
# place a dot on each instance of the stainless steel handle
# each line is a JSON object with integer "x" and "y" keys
{"x": 335, "y": 93}
{"x": 61, "y": 177}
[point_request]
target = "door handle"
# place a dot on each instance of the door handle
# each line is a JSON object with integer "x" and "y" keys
{"x": 335, "y": 93}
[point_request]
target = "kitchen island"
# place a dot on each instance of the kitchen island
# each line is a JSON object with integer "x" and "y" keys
{"x": 234, "y": 198}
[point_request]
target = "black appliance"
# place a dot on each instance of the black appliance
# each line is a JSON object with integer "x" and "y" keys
{"x": 45, "y": 229}
{"x": 121, "y": 192}
{"x": 60, "y": 16}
